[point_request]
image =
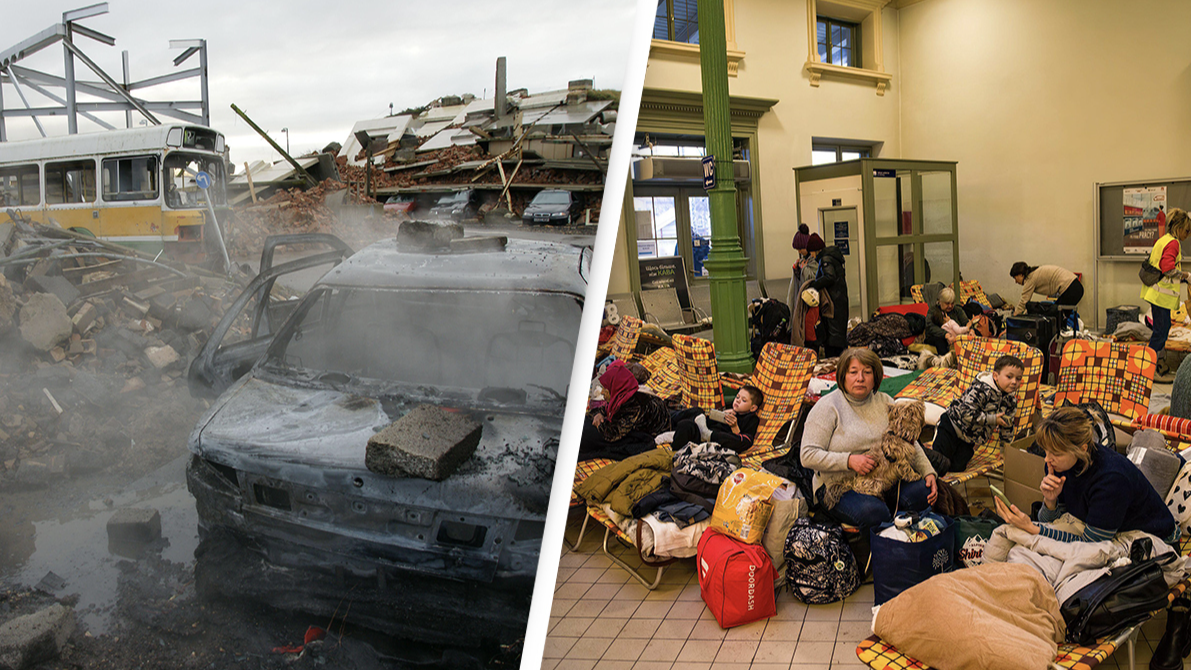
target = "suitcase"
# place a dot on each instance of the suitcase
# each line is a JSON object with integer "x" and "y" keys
{"x": 1035, "y": 330}
{"x": 735, "y": 579}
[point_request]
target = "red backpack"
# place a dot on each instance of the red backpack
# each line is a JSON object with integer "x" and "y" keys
{"x": 736, "y": 579}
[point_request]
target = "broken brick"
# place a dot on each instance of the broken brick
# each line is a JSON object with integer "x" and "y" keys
{"x": 428, "y": 442}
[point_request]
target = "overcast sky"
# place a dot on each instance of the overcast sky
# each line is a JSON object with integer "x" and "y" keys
{"x": 318, "y": 66}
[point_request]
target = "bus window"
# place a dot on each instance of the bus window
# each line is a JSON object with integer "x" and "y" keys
{"x": 181, "y": 192}
{"x": 19, "y": 186}
{"x": 130, "y": 178}
{"x": 70, "y": 182}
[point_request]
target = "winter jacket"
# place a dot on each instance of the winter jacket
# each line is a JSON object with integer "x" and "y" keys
{"x": 642, "y": 412}
{"x": 698, "y": 471}
{"x": 974, "y": 414}
{"x": 884, "y": 325}
{"x": 831, "y": 278}
{"x": 601, "y": 485}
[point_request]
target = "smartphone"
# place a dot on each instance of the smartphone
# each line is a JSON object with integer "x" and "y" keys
{"x": 1001, "y": 496}
{"x": 716, "y": 415}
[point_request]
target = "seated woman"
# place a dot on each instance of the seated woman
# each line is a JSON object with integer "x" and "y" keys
{"x": 1099, "y": 487}
{"x": 1049, "y": 280}
{"x": 945, "y": 321}
{"x": 842, "y": 426}
{"x": 625, "y": 425}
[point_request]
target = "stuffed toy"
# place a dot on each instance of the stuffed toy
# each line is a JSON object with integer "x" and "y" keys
{"x": 894, "y": 455}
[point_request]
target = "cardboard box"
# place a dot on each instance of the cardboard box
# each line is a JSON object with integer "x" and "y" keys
{"x": 1023, "y": 473}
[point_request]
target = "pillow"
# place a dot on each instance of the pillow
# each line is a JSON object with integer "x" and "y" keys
{"x": 997, "y": 616}
{"x": 1159, "y": 465}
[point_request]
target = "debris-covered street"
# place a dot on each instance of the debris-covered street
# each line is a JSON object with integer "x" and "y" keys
{"x": 95, "y": 414}
{"x": 211, "y": 455}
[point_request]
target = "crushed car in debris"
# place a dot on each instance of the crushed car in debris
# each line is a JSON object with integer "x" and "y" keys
{"x": 482, "y": 329}
{"x": 552, "y": 206}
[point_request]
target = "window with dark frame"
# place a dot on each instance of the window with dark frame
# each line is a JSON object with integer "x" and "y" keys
{"x": 839, "y": 42}
{"x": 677, "y": 21}
{"x": 834, "y": 153}
{"x": 131, "y": 178}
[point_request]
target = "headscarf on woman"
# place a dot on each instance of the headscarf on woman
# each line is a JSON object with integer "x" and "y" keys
{"x": 620, "y": 384}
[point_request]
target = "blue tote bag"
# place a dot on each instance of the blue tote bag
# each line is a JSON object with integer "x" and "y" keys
{"x": 899, "y": 565}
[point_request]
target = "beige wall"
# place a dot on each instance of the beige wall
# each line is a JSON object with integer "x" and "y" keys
{"x": 773, "y": 36}
{"x": 1038, "y": 101}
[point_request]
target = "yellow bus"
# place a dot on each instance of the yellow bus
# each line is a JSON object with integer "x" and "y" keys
{"x": 136, "y": 187}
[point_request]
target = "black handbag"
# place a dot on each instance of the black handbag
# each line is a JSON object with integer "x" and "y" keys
{"x": 1148, "y": 274}
{"x": 1122, "y": 597}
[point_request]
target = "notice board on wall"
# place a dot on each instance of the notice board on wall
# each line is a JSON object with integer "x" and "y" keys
{"x": 1131, "y": 215}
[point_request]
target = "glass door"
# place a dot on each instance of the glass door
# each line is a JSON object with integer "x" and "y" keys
{"x": 699, "y": 211}
{"x": 915, "y": 231}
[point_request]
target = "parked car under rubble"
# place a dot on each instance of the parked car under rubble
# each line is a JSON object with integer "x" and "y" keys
{"x": 481, "y": 326}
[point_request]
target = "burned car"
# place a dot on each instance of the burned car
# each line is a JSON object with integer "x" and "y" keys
{"x": 481, "y": 327}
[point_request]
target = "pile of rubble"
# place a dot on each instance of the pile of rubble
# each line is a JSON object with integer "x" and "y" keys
{"x": 290, "y": 211}
{"x": 94, "y": 337}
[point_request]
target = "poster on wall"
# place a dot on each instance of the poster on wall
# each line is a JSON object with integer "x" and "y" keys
{"x": 1144, "y": 218}
{"x": 666, "y": 272}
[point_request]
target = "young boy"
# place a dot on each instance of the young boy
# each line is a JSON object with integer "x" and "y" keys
{"x": 736, "y": 432}
{"x": 989, "y": 403}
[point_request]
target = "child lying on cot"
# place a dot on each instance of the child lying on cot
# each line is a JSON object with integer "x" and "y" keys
{"x": 736, "y": 432}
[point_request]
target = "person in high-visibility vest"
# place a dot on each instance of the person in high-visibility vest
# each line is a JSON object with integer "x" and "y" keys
{"x": 1167, "y": 256}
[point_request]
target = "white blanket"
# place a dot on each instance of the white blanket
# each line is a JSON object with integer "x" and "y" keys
{"x": 660, "y": 539}
{"x": 1070, "y": 566}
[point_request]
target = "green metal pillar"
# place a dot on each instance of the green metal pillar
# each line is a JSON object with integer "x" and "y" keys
{"x": 726, "y": 262}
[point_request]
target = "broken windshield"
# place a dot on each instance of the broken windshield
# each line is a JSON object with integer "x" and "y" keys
{"x": 462, "y": 339}
{"x": 457, "y": 197}
{"x": 181, "y": 189}
{"x": 552, "y": 198}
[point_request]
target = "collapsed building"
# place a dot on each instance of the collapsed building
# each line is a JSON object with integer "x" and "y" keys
{"x": 493, "y": 154}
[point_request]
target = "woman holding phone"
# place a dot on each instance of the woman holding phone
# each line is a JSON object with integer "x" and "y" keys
{"x": 1103, "y": 492}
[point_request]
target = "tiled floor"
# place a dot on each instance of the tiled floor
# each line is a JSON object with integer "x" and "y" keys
{"x": 602, "y": 619}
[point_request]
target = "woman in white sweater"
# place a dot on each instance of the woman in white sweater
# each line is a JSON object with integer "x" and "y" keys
{"x": 842, "y": 426}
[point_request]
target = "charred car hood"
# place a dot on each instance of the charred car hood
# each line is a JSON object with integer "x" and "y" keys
{"x": 318, "y": 437}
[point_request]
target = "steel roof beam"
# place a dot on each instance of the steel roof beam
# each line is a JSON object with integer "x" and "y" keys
{"x": 110, "y": 82}
{"x": 165, "y": 78}
{"x": 32, "y": 45}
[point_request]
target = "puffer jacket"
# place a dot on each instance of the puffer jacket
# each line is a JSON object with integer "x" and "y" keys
{"x": 700, "y": 468}
{"x": 831, "y": 278}
{"x": 601, "y": 485}
{"x": 974, "y": 414}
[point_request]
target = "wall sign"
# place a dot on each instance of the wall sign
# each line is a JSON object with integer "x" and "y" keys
{"x": 884, "y": 173}
{"x": 841, "y": 230}
{"x": 708, "y": 173}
